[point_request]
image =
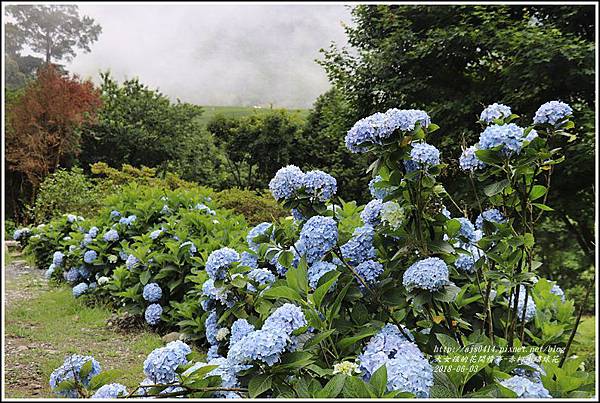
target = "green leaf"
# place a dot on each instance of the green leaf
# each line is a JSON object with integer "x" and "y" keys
{"x": 85, "y": 369}
{"x": 488, "y": 156}
{"x": 528, "y": 240}
{"x": 543, "y": 207}
{"x": 322, "y": 290}
{"x": 282, "y": 292}
{"x": 285, "y": 258}
{"x": 537, "y": 191}
{"x": 259, "y": 384}
{"x": 495, "y": 188}
{"x": 105, "y": 377}
{"x": 348, "y": 341}
{"x": 333, "y": 388}
{"x": 318, "y": 338}
{"x": 447, "y": 294}
{"x": 452, "y": 227}
{"x": 145, "y": 277}
{"x": 379, "y": 380}
{"x": 355, "y": 387}
{"x": 440, "y": 246}
{"x": 64, "y": 386}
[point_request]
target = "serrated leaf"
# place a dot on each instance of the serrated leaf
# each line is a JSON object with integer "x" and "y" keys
{"x": 495, "y": 188}
{"x": 259, "y": 384}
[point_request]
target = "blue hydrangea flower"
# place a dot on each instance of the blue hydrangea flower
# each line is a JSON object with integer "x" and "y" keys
{"x": 468, "y": 160}
{"x": 410, "y": 166}
{"x": 509, "y": 136}
{"x": 115, "y": 214}
{"x": 287, "y": 318}
{"x": 406, "y": 119}
{"x": 213, "y": 352}
{"x": 317, "y": 270}
{"x": 556, "y": 290}
{"x": 19, "y": 233}
{"x": 495, "y": 111}
{"x": 161, "y": 364}
{"x": 216, "y": 294}
{"x": 131, "y": 262}
{"x": 70, "y": 371}
{"x": 360, "y": 247}
{"x": 152, "y": 292}
{"x": 219, "y": 261}
{"x": 111, "y": 235}
{"x": 377, "y": 192}
{"x": 249, "y": 259}
{"x": 264, "y": 345}
{"x": 80, "y": 289}
{"x": 155, "y": 234}
{"x": 369, "y": 270}
{"x": 260, "y": 229}
{"x": 192, "y": 248}
{"x": 317, "y": 237}
{"x": 388, "y": 340}
{"x": 491, "y": 215}
{"x": 552, "y": 112}
{"x": 123, "y": 255}
{"x": 320, "y": 185}
{"x": 261, "y": 276}
{"x": 57, "y": 258}
{"x": 297, "y": 214}
{"x": 530, "y": 308}
{"x": 211, "y": 327}
{"x": 286, "y": 182}
{"x": 240, "y": 329}
{"x": 89, "y": 256}
{"x": 465, "y": 263}
{"x": 152, "y": 314}
{"x": 424, "y": 155}
{"x": 87, "y": 239}
{"x": 526, "y": 389}
{"x": 50, "y": 271}
{"x": 110, "y": 391}
{"x": 72, "y": 275}
{"x": 427, "y": 274}
{"x": 467, "y": 230}
{"x": 84, "y": 272}
{"x": 370, "y": 214}
{"x": 93, "y": 232}
{"x": 204, "y": 208}
{"x": 535, "y": 372}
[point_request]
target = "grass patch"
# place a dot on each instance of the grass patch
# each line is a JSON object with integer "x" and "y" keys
{"x": 584, "y": 343}
{"x": 54, "y": 324}
{"x": 210, "y": 112}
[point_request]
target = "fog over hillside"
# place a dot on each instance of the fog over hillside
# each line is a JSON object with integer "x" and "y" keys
{"x": 217, "y": 54}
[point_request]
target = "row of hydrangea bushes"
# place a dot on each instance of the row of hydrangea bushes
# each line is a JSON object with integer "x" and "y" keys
{"x": 412, "y": 297}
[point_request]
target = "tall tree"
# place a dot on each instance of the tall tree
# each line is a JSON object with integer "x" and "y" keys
{"x": 42, "y": 123}
{"x": 54, "y": 31}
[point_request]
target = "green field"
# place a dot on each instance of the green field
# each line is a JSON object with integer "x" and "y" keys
{"x": 210, "y": 111}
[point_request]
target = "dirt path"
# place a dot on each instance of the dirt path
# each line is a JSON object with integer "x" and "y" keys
{"x": 44, "y": 324}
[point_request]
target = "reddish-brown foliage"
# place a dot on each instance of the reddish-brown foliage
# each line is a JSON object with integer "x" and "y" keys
{"x": 41, "y": 131}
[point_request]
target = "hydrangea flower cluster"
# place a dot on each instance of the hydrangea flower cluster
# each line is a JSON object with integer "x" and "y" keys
{"x": 204, "y": 208}
{"x": 491, "y": 215}
{"x": 115, "y": 214}
{"x": 80, "y": 289}
{"x": 249, "y": 259}
{"x": 70, "y": 371}
{"x": 260, "y": 229}
{"x": 377, "y": 192}
{"x": 360, "y": 247}
{"x": 211, "y": 327}
{"x": 72, "y": 275}
{"x": 556, "y": 290}
{"x": 393, "y": 214}
{"x": 346, "y": 368}
{"x": 268, "y": 343}
{"x": 317, "y": 270}
{"x": 131, "y": 262}
{"x": 468, "y": 160}
{"x": 261, "y": 276}
{"x": 317, "y": 237}
{"x": 192, "y": 248}
{"x": 369, "y": 270}
{"x": 286, "y": 182}
{"x": 214, "y": 294}
{"x": 111, "y": 236}
{"x": 220, "y": 261}
{"x": 379, "y": 127}
{"x": 526, "y": 389}
{"x": 152, "y": 314}
{"x": 495, "y": 111}
{"x": 152, "y": 292}
{"x": 128, "y": 220}
{"x": 408, "y": 370}
{"x": 465, "y": 263}
{"x": 19, "y": 233}
{"x": 424, "y": 155}
{"x": 552, "y": 112}
{"x": 155, "y": 234}
{"x": 320, "y": 185}
{"x": 57, "y": 258}
{"x": 530, "y": 308}
{"x": 370, "y": 214}
{"x": 50, "y": 271}
{"x": 535, "y": 372}
{"x": 161, "y": 364}
{"x": 509, "y": 136}
{"x": 110, "y": 391}
{"x": 429, "y": 274}
{"x": 89, "y": 256}
{"x": 239, "y": 330}
{"x": 467, "y": 230}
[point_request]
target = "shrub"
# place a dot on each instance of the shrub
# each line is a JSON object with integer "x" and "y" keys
{"x": 257, "y": 207}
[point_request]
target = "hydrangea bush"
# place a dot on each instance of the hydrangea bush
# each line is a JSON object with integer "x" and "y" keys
{"x": 390, "y": 299}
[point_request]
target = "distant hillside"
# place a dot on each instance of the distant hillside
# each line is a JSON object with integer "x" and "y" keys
{"x": 238, "y": 111}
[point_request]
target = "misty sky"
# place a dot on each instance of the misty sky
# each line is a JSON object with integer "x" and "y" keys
{"x": 217, "y": 54}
